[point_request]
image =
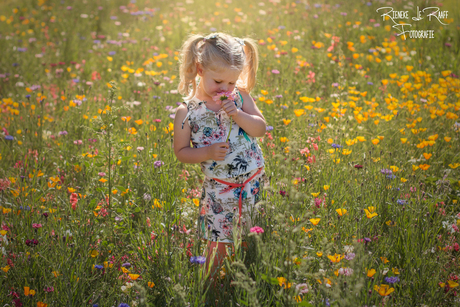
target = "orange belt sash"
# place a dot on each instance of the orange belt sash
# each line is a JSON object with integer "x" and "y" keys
{"x": 232, "y": 185}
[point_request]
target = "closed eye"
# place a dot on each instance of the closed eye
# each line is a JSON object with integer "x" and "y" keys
{"x": 218, "y": 82}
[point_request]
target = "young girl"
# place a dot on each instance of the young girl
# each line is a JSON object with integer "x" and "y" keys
{"x": 234, "y": 170}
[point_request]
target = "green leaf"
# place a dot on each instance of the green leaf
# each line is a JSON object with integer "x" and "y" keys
{"x": 119, "y": 210}
{"x": 99, "y": 164}
{"x": 270, "y": 280}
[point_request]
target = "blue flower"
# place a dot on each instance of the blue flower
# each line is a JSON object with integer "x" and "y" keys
{"x": 9, "y": 137}
{"x": 386, "y": 171}
{"x": 391, "y": 280}
{"x": 123, "y": 305}
{"x": 336, "y": 145}
{"x": 401, "y": 202}
{"x": 95, "y": 305}
{"x": 269, "y": 128}
{"x": 112, "y": 53}
{"x": 193, "y": 259}
{"x": 370, "y": 83}
{"x": 391, "y": 176}
{"x": 27, "y": 96}
{"x": 98, "y": 266}
{"x": 200, "y": 259}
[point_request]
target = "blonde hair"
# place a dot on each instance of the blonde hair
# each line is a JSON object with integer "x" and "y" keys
{"x": 217, "y": 52}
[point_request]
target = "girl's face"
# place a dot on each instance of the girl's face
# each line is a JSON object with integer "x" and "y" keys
{"x": 214, "y": 82}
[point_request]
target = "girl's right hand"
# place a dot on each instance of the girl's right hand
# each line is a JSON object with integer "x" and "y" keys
{"x": 218, "y": 151}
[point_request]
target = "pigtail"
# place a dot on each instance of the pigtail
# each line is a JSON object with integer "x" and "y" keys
{"x": 187, "y": 70}
{"x": 249, "y": 73}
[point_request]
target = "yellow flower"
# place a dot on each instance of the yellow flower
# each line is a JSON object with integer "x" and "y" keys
{"x": 341, "y": 211}
{"x": 375, "y": 141}
{"x": 55, "y": 273}
{"x": 403, "y": 179}
{"x": 395, "y": 271}
{"x": 326, "y": 187}
{"x": 454, "y": 166}
{"x": 124, "y": 270}
{"x": 315, "y": 221}
{"x": 315, "y": 194}
{"x": 151, "y": 284}
{"x": 369, "y": 214}
{"x": 361, "y": 138}
{"x": 336, "y": 258}
{"x": 427, "y": 155}
{"x": 346, "y": 152}
{"x": 196, "y": 201}
{"x": 452, "y": 284}
{"x": 6, "y": 268}
{"x": 394, "y": 168}
{"x": 384, "y": 259}
{"x": 403, "y": 140}
{"x": 299, "y": 112}
{"x": 139, "y": 121}
{"x": 384, "y": 290}
{"x": 103, "y": 180}
{"x": 284, "y": 139}
{"x": 414, "y": 168}
{"x": 282, "y": 282}
{"x": 447, "y": 139}
{"x": 319, "y": 254}
{"x": 286, "y": 121}
{"x": 94, "y": 253}
{"x": 370, "y": 272}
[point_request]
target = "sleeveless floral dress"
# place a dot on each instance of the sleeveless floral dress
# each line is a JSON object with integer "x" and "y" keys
{"x": 219, "y": 205}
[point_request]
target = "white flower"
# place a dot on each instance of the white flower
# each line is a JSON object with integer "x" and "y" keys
{"x": 346, "y": 271}
{"x": 84, "y": 15}
{"x": 348, "y": 248}
{"x": 124, "y": 289}
{"x": 413, "y": 52}
{"x": 20, "y": 84}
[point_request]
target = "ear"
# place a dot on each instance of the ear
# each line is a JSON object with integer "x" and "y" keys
{"x": 199, "y": 69}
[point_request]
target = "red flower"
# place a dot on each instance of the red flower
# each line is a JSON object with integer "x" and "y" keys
{"x": 358, "y": 166}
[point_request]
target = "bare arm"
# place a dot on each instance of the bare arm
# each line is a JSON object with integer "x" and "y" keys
{"x": 250, "y": 119}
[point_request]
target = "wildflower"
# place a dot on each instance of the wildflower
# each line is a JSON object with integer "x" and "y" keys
{"x": 383, "y": 290}
{"x": 386, "y": 171}
{"x": 346, "y": 271}
{"x": 257, "y": 229}
{"x": 401, "y": 202}
{"x": 350, "y": 256}
{"x": 98, "y": 266}
{"x": 276, "y": 72}
{"x": 198, "y": 259}
{"x": 221, "y": 96}
{"x": 147, "y": 197}
{"x": 371, "y": 272}
{"x": 336, "y": 145}
{"x": 302, "y": 288}
{"x": 358, "y": 166}
{"x": 102, "y": 174}
{"x": 158, "y": 163}
{"x": 9, "y": 137}
{"x": 123, "y": 305}
{"x": 392, "y": 280}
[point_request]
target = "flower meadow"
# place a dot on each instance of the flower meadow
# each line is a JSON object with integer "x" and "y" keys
{"x": 361, "y": 148}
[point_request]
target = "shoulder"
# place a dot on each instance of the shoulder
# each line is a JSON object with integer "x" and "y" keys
{"x": 181, "y": 112}
{"x": 247, "y": 99}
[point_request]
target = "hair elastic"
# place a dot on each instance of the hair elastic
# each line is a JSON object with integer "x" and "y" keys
{"x": 210, "y": 37}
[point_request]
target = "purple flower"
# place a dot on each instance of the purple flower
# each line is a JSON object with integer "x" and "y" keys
{"x": 200, "y": 260}
{"x": 27, "y": 96}
{"x": 448, "y": 44}
{"x": 98, "y": 266}
{"x": 335, "y": 84}
{"x": 343, "y": 13}
{"x": 391, "y": 280}
{"x": 158, "y": 163}
{"x": 112, "y": 53}
{"x": 401, "y": 202}
{"x": 9, "y": 137}
{"x": 123, "y": 305}
{"x": 386, "y": 171}
{"x": 350, "y": 256}
{"x": 22, "y": 49}
{"x": 126, "y": 265}
{"x": 370, "y": 83}
{"x": 63, "y": 133}
{"x": 269, "y": 128}
{"x": 336, "y": 145}
{"x": 279, "y": 96}
{"x": 367, "y": 240}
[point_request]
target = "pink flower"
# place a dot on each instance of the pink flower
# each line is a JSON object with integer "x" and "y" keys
{"x": 221, "y": 96}
{"x": 102, "y": 174}
{"x": 36, "y": 225}
{"x": 303, "y": 288}
{"x": 4, "y": 184}
{"x": 276, "y": 72}
{"x": 257, "y": 229}
{"x": 304, "y": 151}
{"x": 315, "y": 146}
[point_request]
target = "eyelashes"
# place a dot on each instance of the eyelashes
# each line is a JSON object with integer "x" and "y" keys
{"x": 221, "y": 82}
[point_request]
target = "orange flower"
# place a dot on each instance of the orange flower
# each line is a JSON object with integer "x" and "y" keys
{"x": 427, "y": 155}
{"x": 315, "y": 221}
{"x": 126, "y": 118}
{"x": 139, "y": 121}
{"x": 370, "y": 272}
{"x": 375, "y": 141}
{"x": 336, "y": 258}
{"x": 424, "y": 166}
